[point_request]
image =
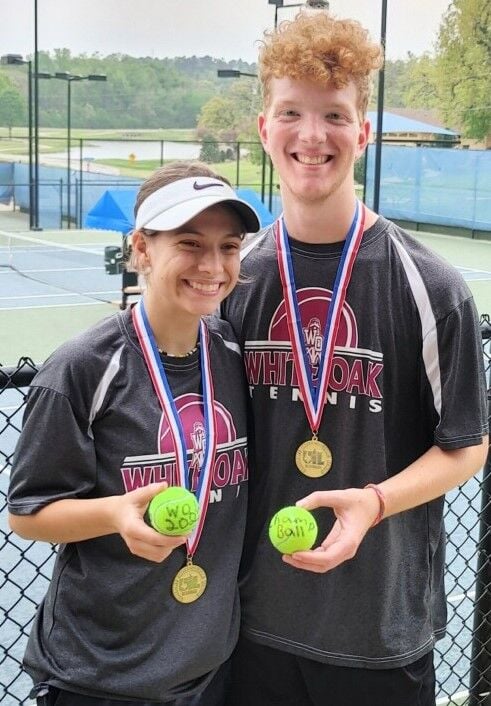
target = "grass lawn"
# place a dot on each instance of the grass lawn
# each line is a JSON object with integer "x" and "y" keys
{"x": 249, "y": 174}
{"x": 54, "y": 139}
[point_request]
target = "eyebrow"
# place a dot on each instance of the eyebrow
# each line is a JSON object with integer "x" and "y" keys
{"x": 289, "y": 103}
{"x": 183, "y": 230}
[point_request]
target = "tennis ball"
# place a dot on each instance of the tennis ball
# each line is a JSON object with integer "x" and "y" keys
{"x": 293, "y": 529}
{"x": 173, "y": 511}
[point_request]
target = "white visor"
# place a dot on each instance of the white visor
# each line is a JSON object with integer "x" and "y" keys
{"x": 177, "y": 203}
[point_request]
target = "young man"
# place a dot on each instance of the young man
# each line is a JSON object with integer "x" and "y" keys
{"x": 367, "y": 399}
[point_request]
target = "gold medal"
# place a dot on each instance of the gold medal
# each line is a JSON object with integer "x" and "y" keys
{"x": 189, "y": 583}
{"x": 313, "y": 458}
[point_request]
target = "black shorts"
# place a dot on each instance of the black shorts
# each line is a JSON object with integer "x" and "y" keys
{"x": 262, "y": 676}
{"x": 213, "y": 695}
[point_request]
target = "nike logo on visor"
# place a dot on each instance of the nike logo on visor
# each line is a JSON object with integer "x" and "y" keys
{"x": 198, "y": 187}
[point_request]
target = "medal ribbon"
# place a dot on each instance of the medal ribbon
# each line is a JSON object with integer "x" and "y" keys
{"x": 162, "y": 390}
{"x": 314, "y": 395}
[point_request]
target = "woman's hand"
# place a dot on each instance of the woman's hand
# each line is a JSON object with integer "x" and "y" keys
{"x": 141, "y": 539}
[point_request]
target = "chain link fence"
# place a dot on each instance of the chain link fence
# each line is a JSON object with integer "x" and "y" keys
{"x": 462, "y": 659}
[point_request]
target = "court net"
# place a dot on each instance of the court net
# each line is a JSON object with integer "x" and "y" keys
{"x": 56, "y": 267}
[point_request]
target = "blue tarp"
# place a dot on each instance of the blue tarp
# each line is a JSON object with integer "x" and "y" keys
{"x": 448, "y": 187}
{"x": 6, "y": 182}
{"x": 252, "y": 198}
{"x": 114, "y": 210}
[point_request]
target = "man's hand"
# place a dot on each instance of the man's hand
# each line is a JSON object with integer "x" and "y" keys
{"x": 355, "y": 510}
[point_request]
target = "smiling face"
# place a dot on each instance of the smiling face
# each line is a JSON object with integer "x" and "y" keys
{"x": 191, "y": 269}
{"x": 314, "y": 135}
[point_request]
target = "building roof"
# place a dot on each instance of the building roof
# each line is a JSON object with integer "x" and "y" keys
{"x": 392, "y": 123}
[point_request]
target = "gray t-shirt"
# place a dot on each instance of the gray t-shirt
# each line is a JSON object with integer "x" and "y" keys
{"x": 407, "y": 373}
{"x": 93, "y": 427}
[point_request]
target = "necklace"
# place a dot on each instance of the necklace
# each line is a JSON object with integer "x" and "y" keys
{"x": 179, "y": 355}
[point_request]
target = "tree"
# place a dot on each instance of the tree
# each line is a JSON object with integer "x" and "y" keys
{"x": 218, "y": 117}
{"x": 210, "y": 151}
{"x": 12, "y": 109}
{"x": 463, "y": 67}
{"x": 421, "y": 82}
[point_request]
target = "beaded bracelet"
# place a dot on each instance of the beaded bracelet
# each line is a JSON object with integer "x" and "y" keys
{"x": 381, "y": 500}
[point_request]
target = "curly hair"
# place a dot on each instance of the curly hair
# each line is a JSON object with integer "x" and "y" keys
{"x": 320, "y": 48}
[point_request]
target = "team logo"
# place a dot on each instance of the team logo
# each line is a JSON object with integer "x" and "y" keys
{"x": 355, "y": 371}
{"x": 230, "y": 465}
{"x": 313, "y": 304}
{"x": 190, "y": 410}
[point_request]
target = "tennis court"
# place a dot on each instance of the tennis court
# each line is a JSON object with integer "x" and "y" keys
{"x": 51, "y": 287}
{"x": 53, "y": 284}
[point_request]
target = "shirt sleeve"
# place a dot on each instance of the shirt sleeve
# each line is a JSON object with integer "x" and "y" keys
{"x": 55, "y": 455}
{"x": 463, "y": 415}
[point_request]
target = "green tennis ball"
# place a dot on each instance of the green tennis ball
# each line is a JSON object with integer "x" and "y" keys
{"x": 293, "y": 529}
{"x": 173, "y": 511}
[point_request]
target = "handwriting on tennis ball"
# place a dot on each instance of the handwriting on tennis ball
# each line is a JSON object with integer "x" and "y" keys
{"x": 173, "y": 511}
{"x": 293, "y": 529}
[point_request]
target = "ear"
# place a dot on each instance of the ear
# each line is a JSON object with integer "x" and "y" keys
{"x": 262, "y": 130}
{"x": 363, "y": 137}
{"x": 139, "y": 247}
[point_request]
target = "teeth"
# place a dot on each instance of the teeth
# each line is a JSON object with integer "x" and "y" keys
{"x": 209, "y": 288}
{"x": 319, "y": 159}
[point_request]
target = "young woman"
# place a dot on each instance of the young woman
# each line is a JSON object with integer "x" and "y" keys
{"x": 150, "y": 397}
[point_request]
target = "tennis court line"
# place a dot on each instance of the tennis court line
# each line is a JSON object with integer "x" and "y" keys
{"x": 471, "y": 275}
{"x": 446, "y": 700}
{"x": 56, "y": 306}
{"x": 57, "y": 269}
{"x": 60, "y": 296}
{"x": 48, "y": 243}
{"x": 457, "y": 597}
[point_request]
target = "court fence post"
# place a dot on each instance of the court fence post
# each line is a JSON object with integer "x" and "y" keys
{"x": 61, "y": 204}
{"x": 480, "y": 666}
{"x": 78, "y": 222}
{"x": 77, "y": 197}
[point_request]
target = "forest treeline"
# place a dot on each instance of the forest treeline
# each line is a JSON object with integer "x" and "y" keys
{"x": 185, "y": 92}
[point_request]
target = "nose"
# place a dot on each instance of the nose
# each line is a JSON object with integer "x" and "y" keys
{"x": 211, "y": 261}
{"x": 312, "y": 129}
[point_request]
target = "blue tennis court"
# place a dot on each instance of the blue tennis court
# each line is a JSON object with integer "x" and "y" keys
{"x": 38, "y": 273}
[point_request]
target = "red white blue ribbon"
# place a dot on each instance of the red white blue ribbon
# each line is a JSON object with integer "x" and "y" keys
{"x": 166, "y": 399}
{"x": 314, "y": 394}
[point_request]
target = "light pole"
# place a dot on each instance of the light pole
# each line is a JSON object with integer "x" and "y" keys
{"x": 70, "y": 78}
{"x": 280, "y": 3}
{"x": 17, "y": 60}
{"x": 35, "y": 97}
{"x": 277, "y": 4}
{"x": 233, "y": 73}
{"x": 380, "y": 113}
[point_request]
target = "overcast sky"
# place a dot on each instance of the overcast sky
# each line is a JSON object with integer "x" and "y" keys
{"x": 225, "y": 29}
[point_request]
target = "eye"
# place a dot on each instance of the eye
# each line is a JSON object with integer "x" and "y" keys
{"x": 338, "y": 118}
{"x": 288, "y": 113}
{"x": 189, "y": 244}
{"x": 232, "y": 246}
